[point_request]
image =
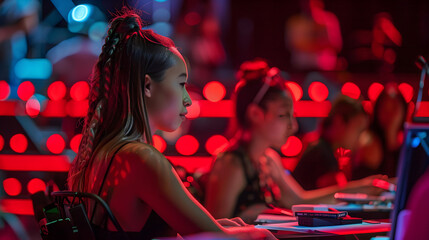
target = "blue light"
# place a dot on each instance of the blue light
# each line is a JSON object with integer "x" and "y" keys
{"x": 161, "y": 15}
{"x": 38, "y": 68}
{"x": 415, "y": 142}
{"x": 160, "y": 0}
{"x": 81, "y": 12}
{"x": 162, "y": 28}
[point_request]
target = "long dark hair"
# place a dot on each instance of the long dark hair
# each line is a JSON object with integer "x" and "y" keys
{"x": 391, "y": 90}
{"x": 117, "y": 106}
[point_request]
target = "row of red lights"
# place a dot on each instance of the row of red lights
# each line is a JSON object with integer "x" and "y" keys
{"x": 213, "y": 91}
{"x": 186, "y": 145}
{"x": 13, "y": 186}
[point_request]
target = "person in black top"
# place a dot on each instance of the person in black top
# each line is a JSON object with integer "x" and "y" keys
{"x": 339, "y": 133}
{"x": 139, "y": 86}
{"x": 249, "y": 173}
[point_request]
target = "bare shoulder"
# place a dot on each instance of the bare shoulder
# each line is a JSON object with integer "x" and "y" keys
{"x": 143, "y": 155}
{"x": 227, "y": 160}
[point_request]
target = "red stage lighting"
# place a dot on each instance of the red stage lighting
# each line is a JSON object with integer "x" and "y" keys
{"x": 159, "y": 143}
{"x": 194, "y": 110}
{"x": 57, "y": 90}
{"x": 35, "y": 185}
{"x": 79, "y": 91}
{"x": 292, "y": 147}
{"x": 25, "y": 90}
{"x": 55, "y": 144}
{"x": 215, "y": 144}
{"x": 214, "y": 91}
{"x": 295, "y": 89}
{"x": 407, "y": 91}
{"x": 4, "y": 90}
{"x": 1, "y": 142}
{"x": 18, "y": 143}
{"x": 12, "y": 186}
{"x": 374, "y": 90}
{"x": 32, "y": 107}
{"x": 350, "y": 89}
{"x": 75, "y": 142}
{"x": 318, "y": 91}
{"x": 187, "y": 145}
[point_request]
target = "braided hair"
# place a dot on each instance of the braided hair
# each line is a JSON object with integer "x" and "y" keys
{"x": 117, "y": 106}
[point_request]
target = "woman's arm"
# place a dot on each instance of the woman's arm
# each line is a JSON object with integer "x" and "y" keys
{"x": 292, "y": 193}
{"x": 158, "y": 185}
{"x": 225, "y": 183}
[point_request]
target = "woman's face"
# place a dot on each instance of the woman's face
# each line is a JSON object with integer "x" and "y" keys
{"x": 169, "y": 97}
{"x": 279, "y": 122}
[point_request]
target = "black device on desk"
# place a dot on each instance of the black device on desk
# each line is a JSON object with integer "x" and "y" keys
{"x": 413, "y": 162}
{"x": 311, "y": 218}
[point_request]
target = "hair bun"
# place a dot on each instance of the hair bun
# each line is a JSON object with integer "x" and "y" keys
{"x": 253, "y": 70}
{"x": 130, "y": 24}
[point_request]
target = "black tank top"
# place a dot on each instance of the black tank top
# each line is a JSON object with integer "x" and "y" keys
{"x": 252, "y": 193}
{"x": 154, "y": 227}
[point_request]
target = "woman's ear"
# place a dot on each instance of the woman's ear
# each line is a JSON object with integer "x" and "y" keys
{"x": 254, "y": 114}
{"x": 147, "y": 86}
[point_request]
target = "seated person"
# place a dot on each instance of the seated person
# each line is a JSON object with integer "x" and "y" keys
{"x": 379, "y": 146}
{"x": 339, "y": 134}
{"x": 249, "y": 173}
{"x": 138, "y": 87}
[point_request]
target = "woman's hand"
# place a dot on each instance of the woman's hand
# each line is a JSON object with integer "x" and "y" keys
{"x": 233, "y": 222}
{"x": 250, "y": 233}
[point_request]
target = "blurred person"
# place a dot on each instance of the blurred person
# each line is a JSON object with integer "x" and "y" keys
{"x": 249, "y": 174}
{"x": 313, "y": 37}
{"x": 339, "y": 134}
{"x": 138, "y": 87}
{"x": 379, "y": 146}
{"x": 17, "y": 17}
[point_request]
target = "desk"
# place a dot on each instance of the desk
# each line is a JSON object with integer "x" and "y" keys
{"x": 290, "y": 229}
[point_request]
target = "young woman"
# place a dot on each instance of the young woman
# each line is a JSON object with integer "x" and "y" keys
{"x": 379, "y": 146}
{"x": 249, "y": 174}
{"x": 339, "y": 132}
{"x": 138, "y": 87}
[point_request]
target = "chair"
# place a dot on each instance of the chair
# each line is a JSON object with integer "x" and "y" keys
{"x": 62, "y": 215}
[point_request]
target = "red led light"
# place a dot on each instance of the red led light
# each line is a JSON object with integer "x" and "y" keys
{"x": 4, "y": 90}
{"x": 194, "y": 110}
{"x": 407, "y": 91}
{"x": 350, "y": 89}
{"x": 79, "y": 91}
{"x": 318, "y": 91}
{"x": 57, "y": 90}
{"x": 12, "y": 186}
{"x": 55, "y": 144}
{"x": 187, "y": 145}
{"x": 18, "y": 143}
{"x": 295, "y": 89}
{"x": 215, "y": 144}
{"x": 32, "y": 107}
{"x": 1, "y": 142}
{"x": 25, "y": 90}
{"x": 292, "y": 147}
{"x": 374, "y": 90}
{"x": 159, "y": 143}
{"x": 214, "y": 91}
{"x": 75, "y": 142}
{"x": 35, "y": 185}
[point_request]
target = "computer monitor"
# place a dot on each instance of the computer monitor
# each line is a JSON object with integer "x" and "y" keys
{"x": 413, "y": 162}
